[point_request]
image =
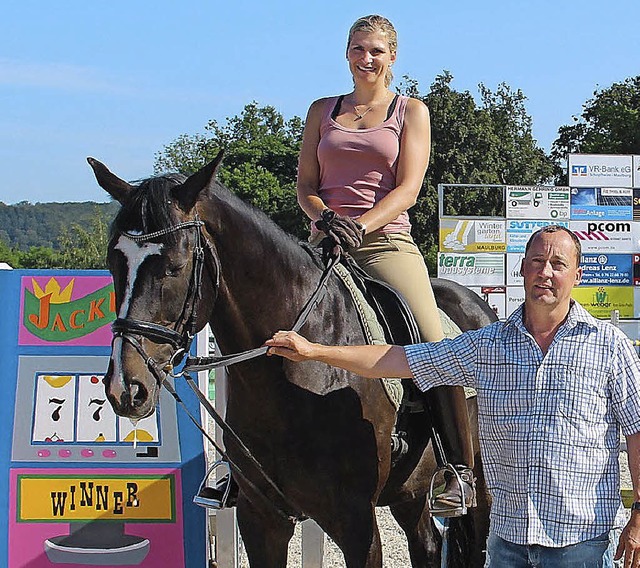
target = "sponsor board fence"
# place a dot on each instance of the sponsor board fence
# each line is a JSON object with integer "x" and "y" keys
{"x": 484, "y": 230}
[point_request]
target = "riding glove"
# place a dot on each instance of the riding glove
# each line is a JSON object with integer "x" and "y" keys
{"x": 343, "y": 230}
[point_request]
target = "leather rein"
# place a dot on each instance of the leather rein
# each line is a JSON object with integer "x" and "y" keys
{"x": 181, "y": 338}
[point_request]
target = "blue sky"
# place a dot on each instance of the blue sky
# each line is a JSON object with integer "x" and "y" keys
{"x": 119, "y": 80}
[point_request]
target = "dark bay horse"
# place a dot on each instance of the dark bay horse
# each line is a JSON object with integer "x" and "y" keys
{"x": 321, "y": 434}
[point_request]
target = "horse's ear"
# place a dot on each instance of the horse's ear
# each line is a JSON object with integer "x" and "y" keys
{"x": 187, "y": 193}
{"x": 111, "y": 183}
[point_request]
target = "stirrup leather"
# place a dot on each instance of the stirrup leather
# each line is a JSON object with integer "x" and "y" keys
{"x": 454, "y": 511}
{"x": 212, "y": 502}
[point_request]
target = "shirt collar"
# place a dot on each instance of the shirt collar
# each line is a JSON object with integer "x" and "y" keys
{"x": 577, "y": 315}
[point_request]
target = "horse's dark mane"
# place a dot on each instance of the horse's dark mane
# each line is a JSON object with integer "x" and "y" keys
{"x": 150, "y": 208}
{"x": 258, "y": 219}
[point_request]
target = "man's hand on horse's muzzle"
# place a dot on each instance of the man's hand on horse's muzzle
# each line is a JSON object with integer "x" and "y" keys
{"x": 343, "y": 230}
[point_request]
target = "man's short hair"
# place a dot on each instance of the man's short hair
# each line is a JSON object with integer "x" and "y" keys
{"x": 555, "y": 229}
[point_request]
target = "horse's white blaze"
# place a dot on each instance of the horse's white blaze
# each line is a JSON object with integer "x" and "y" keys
{"x": 116, "y": 358}
{"x": 135, "y": 253}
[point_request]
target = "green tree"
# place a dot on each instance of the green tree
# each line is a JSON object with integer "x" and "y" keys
{"x": 40, "y": 257}
{"x": 260, "y": 163}
{"x": 84, "y": 248}
{"x": 609, "y": 124}
{"x": 9, "y": 255}
{"x": 79, "y": 247}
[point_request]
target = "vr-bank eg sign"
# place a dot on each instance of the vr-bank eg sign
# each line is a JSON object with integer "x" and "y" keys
{"x": 607, "y": 236}
{"x": 537, "y": 202}
{"x": 600, "y": 170}
{"x": 472, "y": 235}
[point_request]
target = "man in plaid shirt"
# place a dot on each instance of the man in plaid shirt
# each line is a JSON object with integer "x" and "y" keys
{"x": 555, "y": 386}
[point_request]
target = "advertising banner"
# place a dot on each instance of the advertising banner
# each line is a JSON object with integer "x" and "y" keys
{"x": 636, "y": 204}
{"x": 600, "y": 170}
{"x": 66, "y": 310}
{"x": 515, "y": 297}
{"x": 636, "y": 269}
{"x": 601, "y": 203}
{"x": 601, "y": 300}
{"x": 519, "y": 232}
{"x": 83, "y": 486}
{"x": 514, "y": 262}
{"x": 636, "y": 171}
{"x": 481, "y": 269}
{"x": 472, "y": 236}
{"x": 606, "y": 236}
{"x": 607, "y": 270}
{"x": 495, "y": 296}
{"x": 537, "y": 202}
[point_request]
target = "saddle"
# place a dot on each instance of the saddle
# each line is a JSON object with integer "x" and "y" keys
{"x": 391, "y": 309}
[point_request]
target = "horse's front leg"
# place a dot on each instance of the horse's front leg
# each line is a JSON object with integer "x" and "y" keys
{"x": 423, "y": 539}
{"x": 265, "y": 534}
{"x": 354, "y": 529}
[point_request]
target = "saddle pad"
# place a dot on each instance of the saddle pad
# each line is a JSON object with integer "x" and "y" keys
{"x": 375, "y": 335}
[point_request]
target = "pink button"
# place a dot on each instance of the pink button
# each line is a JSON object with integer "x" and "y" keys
{"x": 44, "y": 453}
{"x": 64, "y": 453}
{"x": 86, "y": 453}
{"x": 109, "y": 453}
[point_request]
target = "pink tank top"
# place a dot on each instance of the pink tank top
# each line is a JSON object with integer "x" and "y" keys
{"x": 358, "y": 167}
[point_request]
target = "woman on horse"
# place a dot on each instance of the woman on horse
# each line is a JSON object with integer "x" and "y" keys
{"x": 363, "y": 159}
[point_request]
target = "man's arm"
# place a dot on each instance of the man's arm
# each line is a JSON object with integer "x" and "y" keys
{"x": 371, "y": 361}
{"x": 630, "y": 538}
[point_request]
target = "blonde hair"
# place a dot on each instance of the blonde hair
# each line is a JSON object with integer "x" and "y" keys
{"x": 376, "y": 23}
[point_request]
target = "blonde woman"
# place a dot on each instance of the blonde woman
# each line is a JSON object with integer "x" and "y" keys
{"x": 363, "y": 159}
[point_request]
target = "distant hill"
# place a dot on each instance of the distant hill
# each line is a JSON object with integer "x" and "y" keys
{"x": 25, "y": 224}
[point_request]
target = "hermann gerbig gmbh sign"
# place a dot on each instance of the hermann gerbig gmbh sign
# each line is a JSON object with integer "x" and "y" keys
{"x": 600, "y": 170}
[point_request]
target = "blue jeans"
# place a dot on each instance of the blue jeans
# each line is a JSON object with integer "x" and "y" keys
{"x": 588, "y": 554}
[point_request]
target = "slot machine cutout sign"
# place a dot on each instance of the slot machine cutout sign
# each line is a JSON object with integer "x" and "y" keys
{"x": 85, "y": 486}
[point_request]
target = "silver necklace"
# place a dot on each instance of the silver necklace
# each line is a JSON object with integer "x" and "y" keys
{"x": 360, "y": 115}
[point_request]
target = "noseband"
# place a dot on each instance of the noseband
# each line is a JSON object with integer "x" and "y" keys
{"x": 181, "y": 337}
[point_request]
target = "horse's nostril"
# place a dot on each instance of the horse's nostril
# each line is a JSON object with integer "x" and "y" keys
{"x": 138, "y": 394}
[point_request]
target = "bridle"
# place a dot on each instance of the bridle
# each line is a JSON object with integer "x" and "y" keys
{"x": 180, "y": 339}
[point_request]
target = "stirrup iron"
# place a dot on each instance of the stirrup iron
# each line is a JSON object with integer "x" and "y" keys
{"x": 454, "y": 512}
{"x": 213, "y": 502}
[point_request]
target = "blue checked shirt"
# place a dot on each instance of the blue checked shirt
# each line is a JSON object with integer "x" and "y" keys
{"x": 549, "y": 425}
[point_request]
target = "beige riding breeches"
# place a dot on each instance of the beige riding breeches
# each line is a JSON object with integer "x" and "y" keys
{"x": 395, "y": 259}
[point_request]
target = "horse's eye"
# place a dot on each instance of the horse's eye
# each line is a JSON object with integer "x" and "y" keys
{"x": 174, "y": 270}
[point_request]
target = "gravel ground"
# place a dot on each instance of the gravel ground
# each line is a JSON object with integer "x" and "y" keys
{"x": 394, "y": 550}
{"x": 394, "y": 543}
